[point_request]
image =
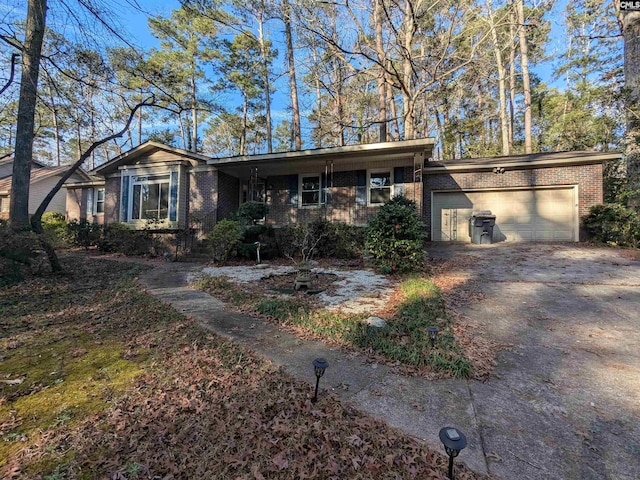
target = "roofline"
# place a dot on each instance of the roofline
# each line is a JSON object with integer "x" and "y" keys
{"x": 94, "y": 183}
{"x": 518, "y": 161}
{"x": 52, "y": 172}
{"x": 374, "y": 148}
{"x": 145, "y": 147}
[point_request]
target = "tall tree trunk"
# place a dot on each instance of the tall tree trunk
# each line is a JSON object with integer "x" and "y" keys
{"x": 409, "y": 28}
{"x": 56, "y": 125}
{"x": 293, "y": 86}
{"x": 316, "y": 78}
{"x": 342, "y": 141}
{"x": 34, "y": 34}
{"x": 382, "y": 84}
{"x": 194, "y": 110}
{"x": 78, "y": 133}
{"x": 265, "y": 77}
{"x": 394, "y": 113}
{"x": 243, "y": 133}
{"x": 504, "y": 126}
{"x": 526, "y": 85}
{"x": 630, "y": 23}
{"x": 183, "y": 132}
{"x": 512, "y": 75}
{"x": 139, "y": 128}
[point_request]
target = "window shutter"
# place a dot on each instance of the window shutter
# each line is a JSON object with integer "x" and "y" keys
{"x": 293, "y": 190}
{"x": 90, "y": 201}
{"x": 361, "y": 187}
{"x": 173, "y": 197}
{"x": 124, "y": 207}
{"x": 398, "y": 181}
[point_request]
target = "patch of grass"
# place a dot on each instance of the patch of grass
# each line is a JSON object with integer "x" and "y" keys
{"x": 69, "y": 345}
{"x": 405, "y": 339}
{"x": 283, "y": 310}
{"x": 225, "y": 290}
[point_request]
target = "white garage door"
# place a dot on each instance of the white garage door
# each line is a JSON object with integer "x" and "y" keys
{"x": 544, "y": 214}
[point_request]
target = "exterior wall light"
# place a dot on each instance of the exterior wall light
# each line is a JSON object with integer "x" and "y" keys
{"x": 319, "y": 367}
{"x": 454, "y": 441}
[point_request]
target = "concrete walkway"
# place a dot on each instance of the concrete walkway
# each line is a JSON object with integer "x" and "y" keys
{"x": 417, "y": 406}
{"x": 564, "y": 399}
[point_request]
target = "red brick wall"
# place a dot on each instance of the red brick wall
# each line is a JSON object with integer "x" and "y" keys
{"x": 342, "y": 206}
{"x": 228, "y": 195}
{"x": 587, "y": 177}
{"x": 112, "y": 200}
{"x": 203, "y": 198}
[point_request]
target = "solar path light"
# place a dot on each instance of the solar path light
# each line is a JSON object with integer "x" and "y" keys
{"x": 319, "y": 366}
{"x": 453, "y": 441}
{"x": 433, "y": 334}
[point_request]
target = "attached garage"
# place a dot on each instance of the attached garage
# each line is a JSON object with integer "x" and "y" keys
{"x": 537, "y": 198}
{"x": 540, "y": 214}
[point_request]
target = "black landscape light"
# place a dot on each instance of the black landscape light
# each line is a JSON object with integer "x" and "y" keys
{"x": 433, "y": 334}
{"x": 319, "y": 366}
{"x": 453, "y": 441}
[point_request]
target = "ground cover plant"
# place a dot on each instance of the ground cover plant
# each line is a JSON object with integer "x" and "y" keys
{"x": 101, "y": 380}
{"x": 416, "y": 305}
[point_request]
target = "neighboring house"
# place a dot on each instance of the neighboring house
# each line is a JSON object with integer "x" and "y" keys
{"x": 156, "y": 186}
{"x": 43, "y": 179}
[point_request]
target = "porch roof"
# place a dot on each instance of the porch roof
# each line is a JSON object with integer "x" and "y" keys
{"x": 281, "y": 162}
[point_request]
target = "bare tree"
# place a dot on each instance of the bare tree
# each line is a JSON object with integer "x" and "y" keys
{"x": 36, "y": 219}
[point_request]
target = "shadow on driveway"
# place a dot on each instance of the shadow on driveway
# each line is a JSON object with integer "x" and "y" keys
{"x": 564, "y": 399}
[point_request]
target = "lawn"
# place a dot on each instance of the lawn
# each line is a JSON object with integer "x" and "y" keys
{"x": 100, "y": 380}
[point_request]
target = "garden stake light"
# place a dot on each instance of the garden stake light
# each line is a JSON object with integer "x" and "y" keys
{"x": 319, "y": 366}
{"x": 453, "y": 441}
{"x": 433, "y": 334}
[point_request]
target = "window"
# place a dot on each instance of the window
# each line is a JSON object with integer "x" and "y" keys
{"x": 99, "y": 200}
{"x": 150, "y": 197}
{"x": 379, "y": 187}
{"x": 4, "y": 204}
{"x": 309, "y": 190}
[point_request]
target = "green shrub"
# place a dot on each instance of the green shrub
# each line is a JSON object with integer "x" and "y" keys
{"x": 250, "y": 212}
{"x": 288, "y": 238}
{"x": 119, "y": 238}
{"x": 54, "y": 225}
{"x": 17, "y": 250}
{"x": 83, "y": 233}
{"x": 614, "y": 224}
{"x": 395, "y": 237}
{"x": 224, "y": 240}
{"x": 336, "y": 240}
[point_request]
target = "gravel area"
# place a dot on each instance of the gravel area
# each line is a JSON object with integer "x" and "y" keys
{"x": 357, "y": 291}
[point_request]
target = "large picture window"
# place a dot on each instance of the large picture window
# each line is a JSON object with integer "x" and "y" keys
{"x": 309, "y": 190}
{"x": 150, "y": 197}
{"x": 380, "y": 187}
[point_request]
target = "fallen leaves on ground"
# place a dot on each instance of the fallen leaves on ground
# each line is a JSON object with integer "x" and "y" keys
{"x": 203, "y": 407}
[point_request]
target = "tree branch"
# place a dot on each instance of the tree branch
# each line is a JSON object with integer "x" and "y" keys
{"x": 36, "y": 223}
{"x": 14, "y": 57}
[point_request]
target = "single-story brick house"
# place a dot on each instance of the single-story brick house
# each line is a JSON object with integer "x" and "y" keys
{"x": 535, "y": 197}
{"x": 43, "y": 179}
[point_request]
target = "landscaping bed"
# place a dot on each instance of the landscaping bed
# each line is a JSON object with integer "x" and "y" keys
{"x": 409, "y": 305}
{"x": 101, "y": 380}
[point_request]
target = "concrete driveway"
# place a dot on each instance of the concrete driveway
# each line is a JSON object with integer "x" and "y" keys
{"x": 564, "y": 399}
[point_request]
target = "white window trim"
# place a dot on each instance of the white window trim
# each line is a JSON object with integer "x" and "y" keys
{"x": 95, "y": 200}
{"x": 300, "y": 176}
{"x": 391, "y": 186}
{"x": 132, "y": 184}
